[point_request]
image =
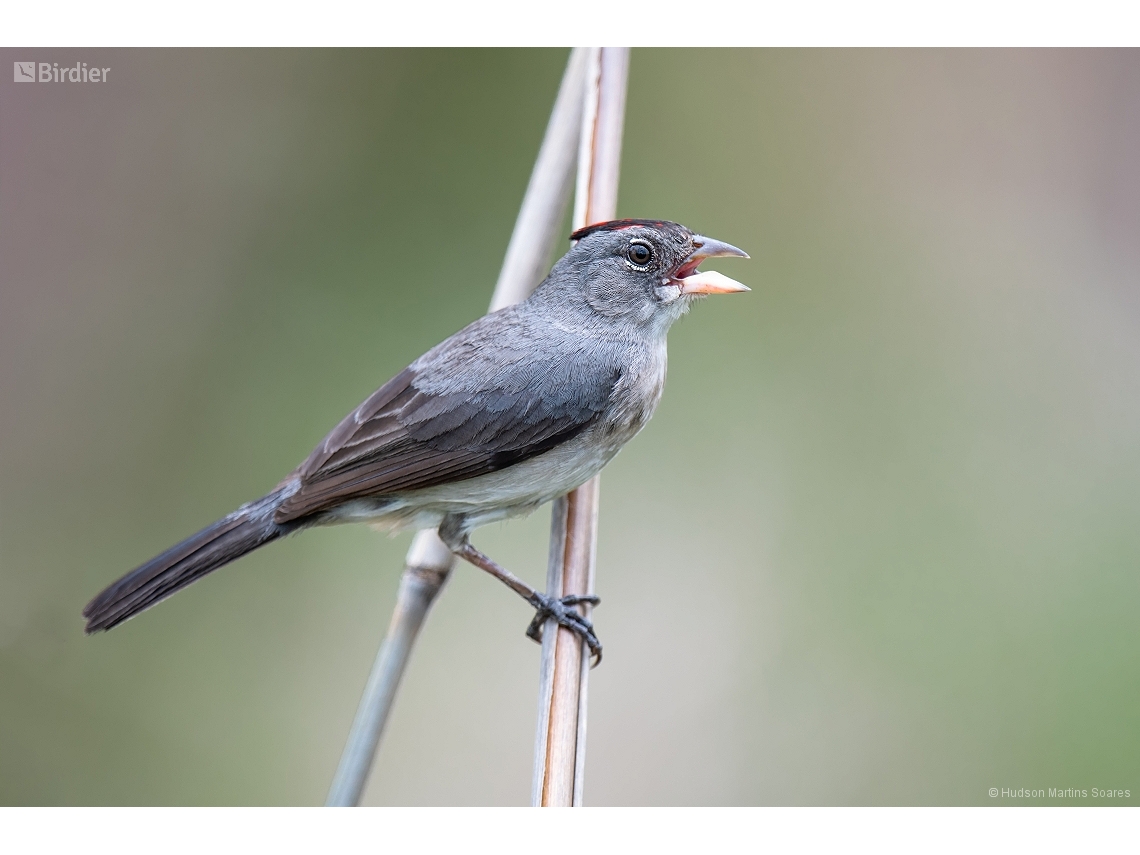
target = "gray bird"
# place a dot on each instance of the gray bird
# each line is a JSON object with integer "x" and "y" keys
{"x": 512, "y": 411}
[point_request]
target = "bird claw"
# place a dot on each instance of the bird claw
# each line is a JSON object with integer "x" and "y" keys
{"x": 563, "y": 611}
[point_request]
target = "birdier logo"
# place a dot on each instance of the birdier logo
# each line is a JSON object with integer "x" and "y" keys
{"x": 52, "y": 72}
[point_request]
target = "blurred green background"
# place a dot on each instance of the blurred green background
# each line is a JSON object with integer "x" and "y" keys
{"x": 878, "y": 546}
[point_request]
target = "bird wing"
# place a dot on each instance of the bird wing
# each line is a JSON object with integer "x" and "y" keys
{"x": 473, "y": 405}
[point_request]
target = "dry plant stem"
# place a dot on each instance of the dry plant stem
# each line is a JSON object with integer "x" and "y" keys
{"x": 429, "y": 562}
{"x": 537, "y": 226}
{"x": 574, "y": 535}
{"x": 560, "y": 744}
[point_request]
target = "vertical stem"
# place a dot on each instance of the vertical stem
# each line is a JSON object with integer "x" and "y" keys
{"x": 546, "y": 670}
{"x": 560, "y": 748}
{"x": 591, "y": 534}
{"x": 429, "y": 562}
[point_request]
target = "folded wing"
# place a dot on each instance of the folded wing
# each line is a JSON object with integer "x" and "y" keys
{"x": 467, "y": 408}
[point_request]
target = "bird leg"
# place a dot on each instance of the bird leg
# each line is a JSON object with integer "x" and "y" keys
{"x": 561, "y": 609}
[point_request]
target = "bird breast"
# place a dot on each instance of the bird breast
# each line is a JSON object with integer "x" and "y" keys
{"x": 637, "y": 393}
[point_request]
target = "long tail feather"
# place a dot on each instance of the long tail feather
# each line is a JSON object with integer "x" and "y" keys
{"x": 247, "y": 528}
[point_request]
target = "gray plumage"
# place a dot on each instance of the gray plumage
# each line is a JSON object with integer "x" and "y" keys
{"x": 512, "y": 411}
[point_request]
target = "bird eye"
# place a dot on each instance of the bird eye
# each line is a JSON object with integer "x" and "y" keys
{"x": 640, "y": 253}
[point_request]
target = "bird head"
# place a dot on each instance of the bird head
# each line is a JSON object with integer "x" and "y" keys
{"x": 642, "y": 272}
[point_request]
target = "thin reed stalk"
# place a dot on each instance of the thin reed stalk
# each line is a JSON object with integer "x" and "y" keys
{"x": 429, "y": 562}
{"x": 560, "y": 740}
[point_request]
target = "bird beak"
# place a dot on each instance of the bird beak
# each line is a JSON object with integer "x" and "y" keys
{"x": 709, "y": 248}
{"x": 709, "y": 282}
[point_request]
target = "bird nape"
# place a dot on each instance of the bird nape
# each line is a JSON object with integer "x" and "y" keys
{"x": 514, "y": 410}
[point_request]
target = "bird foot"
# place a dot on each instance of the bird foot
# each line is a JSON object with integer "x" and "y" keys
{"x": 563, "y": 611}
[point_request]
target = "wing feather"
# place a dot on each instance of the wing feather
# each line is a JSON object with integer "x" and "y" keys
{"x": 464, "y": 409}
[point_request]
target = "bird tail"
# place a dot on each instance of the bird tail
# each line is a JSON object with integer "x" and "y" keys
{"x": 247, "y": 528}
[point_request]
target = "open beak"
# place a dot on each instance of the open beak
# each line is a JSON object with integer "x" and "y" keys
{"x": 709, "y": 282}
